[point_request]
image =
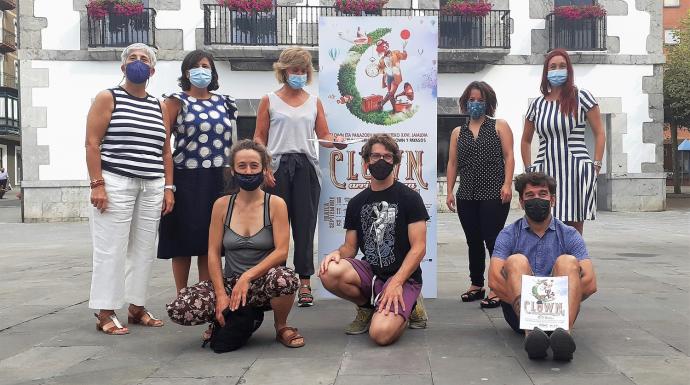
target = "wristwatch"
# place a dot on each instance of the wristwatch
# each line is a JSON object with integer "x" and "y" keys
{"x": 597, "y": 163}
{"x": 170, "y": 187}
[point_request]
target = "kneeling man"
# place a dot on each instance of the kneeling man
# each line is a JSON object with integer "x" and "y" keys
{"x": 540, "y": 245}
{"x": 387, "y": 222}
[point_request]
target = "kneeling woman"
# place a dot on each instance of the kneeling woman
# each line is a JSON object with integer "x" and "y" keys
{"x": 252, "y": 226}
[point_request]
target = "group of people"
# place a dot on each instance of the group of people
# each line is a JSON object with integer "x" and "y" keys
{"x": 206, "y": 194}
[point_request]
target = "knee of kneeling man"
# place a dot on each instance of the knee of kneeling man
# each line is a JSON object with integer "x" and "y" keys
{"x": 517, "y": 260}
{"x": 382, "y": 336}
{"x": 566, "y": 260}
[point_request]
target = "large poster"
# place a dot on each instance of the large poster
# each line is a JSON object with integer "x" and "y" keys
{"x": 378, "y": 75}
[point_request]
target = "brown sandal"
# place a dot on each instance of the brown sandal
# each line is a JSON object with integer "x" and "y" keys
{"x": 288, "y": 339}
{"x": 144, "y": 318}
{"x": 112, "y": 327}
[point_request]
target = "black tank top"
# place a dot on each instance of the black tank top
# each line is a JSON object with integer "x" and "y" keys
{"x": 481, "y": 167}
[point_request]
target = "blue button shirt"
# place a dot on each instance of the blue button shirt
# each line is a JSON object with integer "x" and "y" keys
{"x": 559, "y": 239}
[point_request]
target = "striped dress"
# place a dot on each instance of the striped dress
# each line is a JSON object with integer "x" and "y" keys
{"x": 563, "y": 155}
{"x": 133, "y": 143}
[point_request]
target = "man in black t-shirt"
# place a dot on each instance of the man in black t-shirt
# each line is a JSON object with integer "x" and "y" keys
{"x": 387, "y": 223}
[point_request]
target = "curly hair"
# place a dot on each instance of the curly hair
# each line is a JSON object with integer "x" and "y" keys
{"x": 387, "y": 141}
{"x": 534, "y": 179}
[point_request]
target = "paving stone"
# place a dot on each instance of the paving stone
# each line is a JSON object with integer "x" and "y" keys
{"x": 190, "y": 381}
{"x": 53, "y": 361}
{"x": 378, "y": 360}
{"x": 477, "y": 370}
{"x": 410, "y": 379}
{"x": 289, "y": 371}
{"x": 654, "y": 370}
{"x": 556, "y": 378}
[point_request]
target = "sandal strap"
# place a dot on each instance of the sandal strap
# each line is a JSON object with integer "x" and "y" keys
{"x": 472, "y": 291}
{"x": 295, "y": 333}
{"x": 116, "y": 321}
{"x": 152, "y": 318}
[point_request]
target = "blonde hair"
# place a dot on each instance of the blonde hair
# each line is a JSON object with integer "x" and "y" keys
{"x": 293, "y": 57}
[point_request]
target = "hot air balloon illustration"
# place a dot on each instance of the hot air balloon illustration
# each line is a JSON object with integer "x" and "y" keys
{"x": 333, "y": 53}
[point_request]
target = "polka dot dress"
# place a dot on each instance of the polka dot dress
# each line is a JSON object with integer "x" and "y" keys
{"x": 203, "y": 131}
{"x": 481, "y": 167}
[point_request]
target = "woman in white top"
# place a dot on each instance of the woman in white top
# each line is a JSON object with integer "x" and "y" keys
{"x": 287, "y": 122}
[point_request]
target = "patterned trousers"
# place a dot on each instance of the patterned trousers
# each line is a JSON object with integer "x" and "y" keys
{"x": 196, "y": 304}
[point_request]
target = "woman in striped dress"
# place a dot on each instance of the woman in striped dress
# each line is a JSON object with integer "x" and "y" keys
{"x": 130, "y": 166}
{"x": 559, "y": 117}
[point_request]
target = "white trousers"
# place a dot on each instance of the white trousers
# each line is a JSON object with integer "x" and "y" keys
{"x": 124, "y": 241}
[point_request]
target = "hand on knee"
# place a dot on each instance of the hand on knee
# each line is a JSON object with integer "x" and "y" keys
{"x": 332, "y": 275}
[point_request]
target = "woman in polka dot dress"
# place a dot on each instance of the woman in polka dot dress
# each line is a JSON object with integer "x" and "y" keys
{"x": 481, "y": 154}
{"x": 202, "y": 123}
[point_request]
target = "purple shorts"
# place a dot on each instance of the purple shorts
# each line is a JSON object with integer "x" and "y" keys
{"x": 411, "y": 289}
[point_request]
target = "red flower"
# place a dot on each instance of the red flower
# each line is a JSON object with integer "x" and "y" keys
{"x": 248, "y": 5}
{"x": 479, "y": 8}
{"x": 577, "y": 12}
{"x": 356, "y": 7}
{"x": 99, "y": 9}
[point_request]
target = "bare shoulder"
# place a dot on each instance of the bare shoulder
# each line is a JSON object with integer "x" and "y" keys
{"x": 455, "y": 131}
{"x": 502, "y": 124}
{"x": 104, "y": 97}
{"x": 221, "y": 202}
{"x": 277, "y": 203}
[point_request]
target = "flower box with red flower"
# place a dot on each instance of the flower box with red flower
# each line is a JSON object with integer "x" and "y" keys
{"x": 579, "y": 12}
{"x": 359, "y": 7}
{"x": 478, "y": 8}
{"x": 248, "y": 5}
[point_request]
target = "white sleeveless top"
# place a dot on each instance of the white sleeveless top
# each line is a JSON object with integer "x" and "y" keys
{"x": 290, "y": 130}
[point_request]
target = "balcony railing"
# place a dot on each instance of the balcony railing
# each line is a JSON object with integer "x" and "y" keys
{"x": 8, "y": 80}
{"x": 299, "y": 25}
{"x": 9, "y": 41}
{"x": 121, "y": 31}
{"x": 576, "y": 35}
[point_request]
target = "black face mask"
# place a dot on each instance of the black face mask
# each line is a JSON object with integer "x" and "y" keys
{"x": 249, "y": 182}
{"x": 380, "y": 169}
{"x": 537, "y": 209}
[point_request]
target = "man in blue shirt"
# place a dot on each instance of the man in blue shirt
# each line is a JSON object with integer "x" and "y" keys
{"x": 540, "y": 245}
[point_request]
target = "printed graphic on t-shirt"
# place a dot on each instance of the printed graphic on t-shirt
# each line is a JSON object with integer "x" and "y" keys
{"x": 378, "y": 223}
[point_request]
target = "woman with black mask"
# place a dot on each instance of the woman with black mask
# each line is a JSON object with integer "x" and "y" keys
{"x": 252, "y": 227}
{"x": 481, "y": 154}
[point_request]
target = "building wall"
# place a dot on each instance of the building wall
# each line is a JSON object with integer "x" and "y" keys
{"x": 673, "y": 15}
{"x": 60, "y": 76}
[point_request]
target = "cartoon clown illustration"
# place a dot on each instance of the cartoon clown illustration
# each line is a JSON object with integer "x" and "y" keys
{"x": 389, "y": 67}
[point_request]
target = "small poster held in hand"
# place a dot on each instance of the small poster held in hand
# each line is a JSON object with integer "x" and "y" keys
{"x": 340, "y": 145}
{"x": 544, "y": 303}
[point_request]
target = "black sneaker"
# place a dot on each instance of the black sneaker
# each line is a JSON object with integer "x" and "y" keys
{"x": 562, "y": 345}
{"x": 536, "y": 344}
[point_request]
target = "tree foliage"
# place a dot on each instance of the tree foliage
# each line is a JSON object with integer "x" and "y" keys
{"x": 677, "y": 78}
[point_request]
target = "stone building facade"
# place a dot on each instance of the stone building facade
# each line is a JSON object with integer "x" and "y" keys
{"x": 62, "y": 70}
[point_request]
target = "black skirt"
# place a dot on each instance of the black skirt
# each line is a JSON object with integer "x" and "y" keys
{"x": 184, "y": 232}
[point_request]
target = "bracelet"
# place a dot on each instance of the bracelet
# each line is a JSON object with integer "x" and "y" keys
{"x": 597, "y": 163}
{"x": 97, "y": 182}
